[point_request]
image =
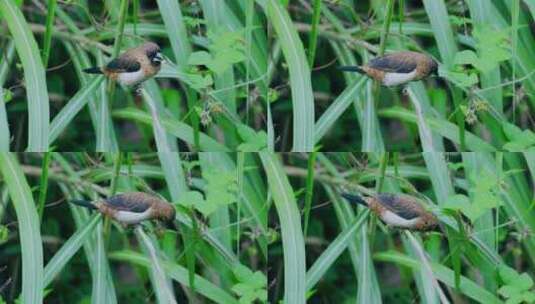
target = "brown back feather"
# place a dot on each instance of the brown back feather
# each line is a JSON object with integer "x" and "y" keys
{"x": 402, "y": 205}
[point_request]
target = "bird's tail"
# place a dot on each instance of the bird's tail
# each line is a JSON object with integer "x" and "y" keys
{"x": 354, "y": 198}
{"x": 84, "y": 203}
{"x": 93, "y": 70}
{"x": 352, "y": 68}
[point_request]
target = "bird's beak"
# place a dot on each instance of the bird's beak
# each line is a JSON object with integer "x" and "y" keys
{"x": 158, "y": 57}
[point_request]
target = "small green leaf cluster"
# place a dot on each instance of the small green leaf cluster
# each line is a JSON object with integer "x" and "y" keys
{"x": 251, "y": 286}
{"x": 226, "y": 49}
{"x": 483, "y": 196}
{"x": 221, "y": 189}
{"x": 491, "y": 49}
{"x": 519, "y": 140}
{"x": 252, "y": 141}
{"x": 516, "y": 288}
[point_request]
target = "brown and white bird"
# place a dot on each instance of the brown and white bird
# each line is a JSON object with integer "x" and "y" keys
{"x": 133, "y": 66}
{"x": 397, "y": 68}
{"x": 132, "y": 208}
{"x": 397, "y": 210}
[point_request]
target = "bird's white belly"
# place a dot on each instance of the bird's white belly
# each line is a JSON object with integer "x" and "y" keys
{"x": 393, "y": 219}
{"x": 392, "y": 79}
{"x": 131, "y": 78}
{"x": 129, "y": 217}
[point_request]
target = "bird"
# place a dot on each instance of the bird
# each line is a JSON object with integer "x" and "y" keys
{"x": 398, "y": 211}
{"x": 133, "y": 66}
{"x": 397, "y": 68}
{"x": 131, "y": 208}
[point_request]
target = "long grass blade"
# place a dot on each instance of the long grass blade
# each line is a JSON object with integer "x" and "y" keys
{"x": 164, "y": 291}
{"x": 179, "y": 274}
{"x": 335, "y": 249}
{"x": 67, "y": 113}
{"x": 99, "y": 292}
{"x": 442, "y": 127}
{"x": 429, "y": 142}
{"x": 445, "y": 275}
{"x": 336, "y": 109}
{"x": 438, "y": 17}
{"x": 28, "y": 224}
{"x": 176, "y": 30}
{"x": 176, "y": 128}
{"x": 300, "y": 82}
{"x": 34, "y": 75}
{"x": 290, "y": 223}
{"x": 4, "y": 126}
{"x": 68, "y": 250}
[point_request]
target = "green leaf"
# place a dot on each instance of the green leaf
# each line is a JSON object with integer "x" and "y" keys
{"x": 221, "y": 188}
{"x": 516, "y": 287}
{"x": 198, "y": 81}
{"x": 200, "y": 58}
{"x": 69, "y": 249}
{"x": 4, "y": 233}
{"x": 458, "y": 21}
{"x": 252, "y": 284}
{"x": 293, "y": 243}
{"x": 222, "y": 40}
{"x": 218, "y": 66}
{"x": 461, "y": 203}
{"x": 179, "y": 274}
{"x": 462, "y": 79}
{"x": 524, "y": 282}
{"x": 509, "y": 291}
{"x": 191, "y": 199}
{"x": 457, "y": 202}
{"x": 226, "y": 49}
{"x": 195, "y": 199}
{"x": 34, "y": 76}
{"x": 232, "y": 56}
{"x": 253, "y": 141}
{"x": 465, "y": 57}
{"x": 482, "y": 199}
{"x": 492, "y": 46}
{"x": 519, "y": 140}
{"x": 8, "y": 95}
{"x": 300, "y": 77}
{"x": 31, "y": 245}
{"x": 529, "y": 297}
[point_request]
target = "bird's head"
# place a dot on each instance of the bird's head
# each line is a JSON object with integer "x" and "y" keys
{"x": 429, "y": 222}
{"x": 167, "y": 213}
{"x": 152, "y": 50}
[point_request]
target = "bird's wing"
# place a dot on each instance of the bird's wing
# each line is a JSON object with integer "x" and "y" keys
{"x": 128, "y": 202}
{"x": 123, "y": 64}
{"x": 399, "y": 205}
{"x": 394, "y": 63}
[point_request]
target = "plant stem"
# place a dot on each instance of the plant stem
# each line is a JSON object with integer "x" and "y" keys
{"x": 313, "y": 39}
{"x": 43, "y": 185}
{"x": 51, "y": 9}
{"x": 309, "y": 189}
